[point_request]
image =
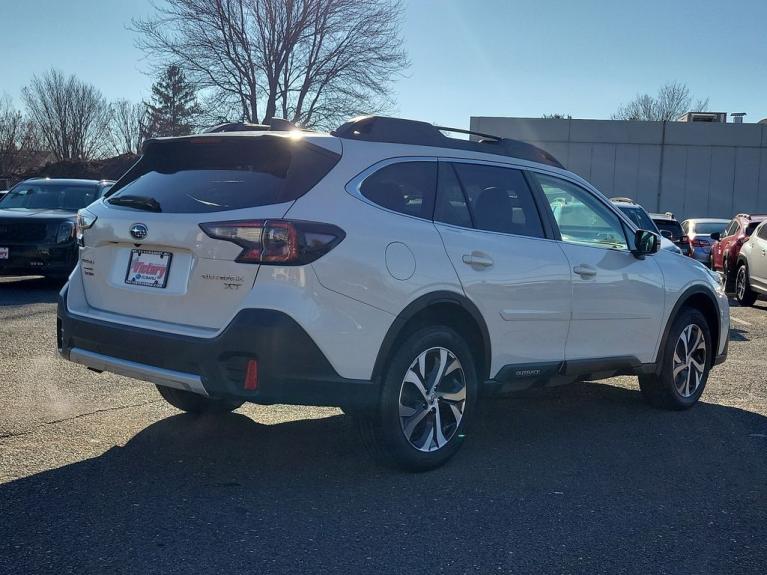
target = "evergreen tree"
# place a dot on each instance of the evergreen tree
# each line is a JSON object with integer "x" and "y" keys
{"x": 173, "y": 108}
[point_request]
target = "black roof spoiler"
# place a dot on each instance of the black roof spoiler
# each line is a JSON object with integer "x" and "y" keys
{"x": 401, "y": 131}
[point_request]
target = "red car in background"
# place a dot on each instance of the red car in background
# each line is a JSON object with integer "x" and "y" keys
{"x": 724, "y": 252}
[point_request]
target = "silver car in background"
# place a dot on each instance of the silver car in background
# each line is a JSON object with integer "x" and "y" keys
{"x": 699, "y": 231}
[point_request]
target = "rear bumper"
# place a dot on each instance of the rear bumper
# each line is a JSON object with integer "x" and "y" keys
{"x": 57, "y": 259}
{"x": 703, "y": 255}
{"x": 291, "y": 368}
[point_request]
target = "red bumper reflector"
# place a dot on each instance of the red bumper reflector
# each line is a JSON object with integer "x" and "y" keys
{"x": 251, "y": 375}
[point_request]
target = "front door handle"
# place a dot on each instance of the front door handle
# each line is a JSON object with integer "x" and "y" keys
{"x": 585, "y": 271}
{"x": 477, "y": 259}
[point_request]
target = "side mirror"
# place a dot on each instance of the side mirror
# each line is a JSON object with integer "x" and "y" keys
{"x": 716, "y": 236}
{"x": 646, "y": 243}
{"x": 667, "y": 234}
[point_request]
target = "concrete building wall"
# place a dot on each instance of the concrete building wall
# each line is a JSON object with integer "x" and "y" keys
{"x": 691, "y": 169}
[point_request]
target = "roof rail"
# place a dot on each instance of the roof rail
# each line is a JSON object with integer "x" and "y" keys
{"x": 401, "y": 131}
{"x": 623, "y": 200}
{"x": 747, "y": 216}
{"x": 274, "y": 125}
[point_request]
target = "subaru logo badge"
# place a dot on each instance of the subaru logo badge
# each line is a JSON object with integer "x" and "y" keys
{"x": 139, "y": 231}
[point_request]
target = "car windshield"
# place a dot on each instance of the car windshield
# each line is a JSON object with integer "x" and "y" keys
{"x": 639, "y": 217}
{"x": 710, "y": 227}
{"x": 49, "y": 196}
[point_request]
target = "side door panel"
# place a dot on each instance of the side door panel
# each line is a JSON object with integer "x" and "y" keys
{"x": 524, "y": 295}
{"x": 757, "y": 258}
{"x": 617, "y": 299}
{"x": 617, "y": 311}
{"x": 518, "y": 279}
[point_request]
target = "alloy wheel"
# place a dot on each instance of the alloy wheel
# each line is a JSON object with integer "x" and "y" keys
{"x": 432, "y": 399}
{"x": 740, "y": 283}
{"x": 689, "y": 360}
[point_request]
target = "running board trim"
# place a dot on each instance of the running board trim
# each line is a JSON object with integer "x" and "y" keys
{"x": 157, "y": 375}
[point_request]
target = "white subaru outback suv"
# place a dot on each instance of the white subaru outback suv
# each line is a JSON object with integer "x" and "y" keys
{"x": 384, "y": 268}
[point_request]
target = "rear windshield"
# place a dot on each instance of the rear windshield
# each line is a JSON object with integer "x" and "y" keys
{"x": 710, "y": 227}
{"x": 639, "y": 217}
{"x": 216, "y": 174}
{"x": 44, "y": 196}
{"x": 674, "y": 227}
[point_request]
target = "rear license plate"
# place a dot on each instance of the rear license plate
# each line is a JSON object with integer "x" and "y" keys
{"x": 148, "y": 268}
{"x": 3, "y": 253}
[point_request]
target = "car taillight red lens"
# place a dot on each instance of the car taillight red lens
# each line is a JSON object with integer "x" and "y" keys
{"x": 284, "y": 242}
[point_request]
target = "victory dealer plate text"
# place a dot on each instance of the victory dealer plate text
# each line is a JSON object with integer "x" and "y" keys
{"x": 148, "y": 268}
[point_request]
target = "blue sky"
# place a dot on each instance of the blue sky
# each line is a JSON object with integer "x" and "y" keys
{"x": 469, "y": 57}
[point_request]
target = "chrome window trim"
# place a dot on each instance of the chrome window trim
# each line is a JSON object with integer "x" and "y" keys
{"x": 353, "y": 188}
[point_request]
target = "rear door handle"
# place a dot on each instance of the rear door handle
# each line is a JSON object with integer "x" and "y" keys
{"x": 585, "y": 271}
{"x": 477, "y": 259}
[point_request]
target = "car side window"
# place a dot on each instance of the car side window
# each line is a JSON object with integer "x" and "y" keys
{"x": 686, "y": 227}
{"x": 404, "y": 187}
{"x": 761, "y": 233}
{"x": 499, "y": 199}
{"x": 451, "y": 205}
{"x": 732, "y": 229}
{"x": 581, "y": 217}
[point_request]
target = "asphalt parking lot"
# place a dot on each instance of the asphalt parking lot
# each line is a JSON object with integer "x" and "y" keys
{"x": 99, "y": 475}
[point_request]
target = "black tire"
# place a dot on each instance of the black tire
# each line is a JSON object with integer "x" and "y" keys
{"x": 195, "y": 403}
{"x": 663, "y": 389}
{"x": 382, "y": 430}
{"x": 743, "y": 292}
{"x": 729, "y": 276}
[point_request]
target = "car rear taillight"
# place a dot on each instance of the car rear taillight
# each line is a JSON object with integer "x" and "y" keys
{"x": 85, "y": 220}
{"x": 282, "y": 242}
{"x": 251, "y": 376}
{"x": 685, "y": 239}
{"x": 699, "y": 243}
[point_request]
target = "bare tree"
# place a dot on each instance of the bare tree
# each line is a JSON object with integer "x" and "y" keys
{"x": 310, "y": 61}
{"x": 17, "y": 139}
{"x": 72, "y": 116}
{"x": 673, "y": 100}
{"x": 129, "y": 126}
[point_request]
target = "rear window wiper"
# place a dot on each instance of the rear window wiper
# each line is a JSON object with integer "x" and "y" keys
{"x": 137, "y": 202}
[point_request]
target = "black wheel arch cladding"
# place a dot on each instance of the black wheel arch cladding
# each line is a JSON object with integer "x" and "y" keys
{"x": 423, "y": 304}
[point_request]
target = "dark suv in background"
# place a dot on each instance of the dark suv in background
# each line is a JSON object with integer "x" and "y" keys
{"x": 670, "y": 228}
{"x": 37, "y": 225}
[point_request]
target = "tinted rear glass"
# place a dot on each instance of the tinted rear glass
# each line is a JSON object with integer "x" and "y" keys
{"x": 709, "y": 227}
{"x": 404, "y": 187}
{"x": 216, "y": 174}
{"x": 674, "y": 227}
{"x": 37, "y": 196}
{"x": 639, "y": 217}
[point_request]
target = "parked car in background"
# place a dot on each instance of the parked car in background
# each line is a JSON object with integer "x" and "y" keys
{"x": 384, "y": 268}
{"x": 671, "y": 229}
{"x": 698, "y": 231}
{"x": 726, "y": 247}
{"x": 642, "y": 219}
{"x": 751, "y": 267}
{"x": 37, "y": 225}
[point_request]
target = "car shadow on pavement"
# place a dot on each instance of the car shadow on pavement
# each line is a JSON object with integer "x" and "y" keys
{"x": 579, "y": 479}
{"x": 26, "y": 290}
